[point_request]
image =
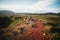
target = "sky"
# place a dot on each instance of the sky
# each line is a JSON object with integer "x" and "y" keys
{"x": 30, "y": 6}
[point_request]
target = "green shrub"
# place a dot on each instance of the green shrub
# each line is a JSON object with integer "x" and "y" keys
{"x": 55, "y": 30}
{"x": 5, "y": 22}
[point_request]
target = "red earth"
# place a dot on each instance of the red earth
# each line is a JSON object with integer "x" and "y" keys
{"x": 38, "y": 33}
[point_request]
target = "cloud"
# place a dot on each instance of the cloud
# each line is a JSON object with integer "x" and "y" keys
{"x": 40, "y": 6}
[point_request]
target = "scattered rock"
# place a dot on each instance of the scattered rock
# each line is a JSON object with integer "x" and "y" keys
{"x": 22, "y": 30}
{"x": 8, "y": 30}
{"x": 34, "y": 26}
{"x": 15, "y": 33}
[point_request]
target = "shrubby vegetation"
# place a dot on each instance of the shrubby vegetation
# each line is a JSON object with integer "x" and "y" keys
{"x": 55, "y": 23}
{"x": 1, "y": 32}
{"x": 5, "y": 22}
{"x": 55, "y": 30}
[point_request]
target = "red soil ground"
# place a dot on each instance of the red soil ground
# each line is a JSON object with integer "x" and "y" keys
{"x": 37, "y": 33}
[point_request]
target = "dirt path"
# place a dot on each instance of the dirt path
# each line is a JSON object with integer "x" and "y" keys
{"x": 37, "y": 33}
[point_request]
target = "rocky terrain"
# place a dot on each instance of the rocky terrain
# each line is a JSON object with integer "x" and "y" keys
{"x": 34, "y": 27}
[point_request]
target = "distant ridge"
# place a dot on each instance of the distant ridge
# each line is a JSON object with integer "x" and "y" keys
{"x": 5, "y": 12}
{"x": 11, "y": 13}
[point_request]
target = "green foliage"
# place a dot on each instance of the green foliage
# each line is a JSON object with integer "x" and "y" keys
{"x": 54, "y": 18}
{"x": 55, "y": 30}
{"x": 5, "y": 22}
{"x": 53, "y": 24}
{"x": 1, "y": 32}
{"x": 55, "y": 21}
{"x": 57, "y": 38}
{"x": 5, "y": 37}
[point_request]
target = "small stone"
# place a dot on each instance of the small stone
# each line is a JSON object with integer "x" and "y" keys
{"x": 15, "y": 33}
{"x": 34, "y": 26}
{"x": 44, "y": 34}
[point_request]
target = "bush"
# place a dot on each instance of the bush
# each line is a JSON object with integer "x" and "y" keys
{"x": 5, "y": 37}
{"x": 55, "y": 30}
{"x": 1, "y": 32}
{"x": 55, "y": 21}
{"x": 5, "y": 22}
{"x": 58, "y": 38}
{"x": 53, "y": 24}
